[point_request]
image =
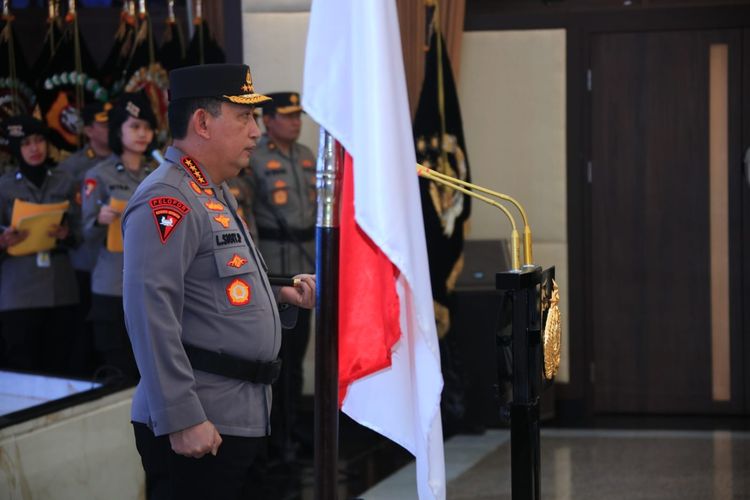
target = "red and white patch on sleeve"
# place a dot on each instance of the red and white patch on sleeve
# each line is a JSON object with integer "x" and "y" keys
{"x": 88, "y": 186}
{"x": 168, "y": 212}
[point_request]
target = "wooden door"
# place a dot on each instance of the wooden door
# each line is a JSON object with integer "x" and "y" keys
{"x": 666, "y": 222}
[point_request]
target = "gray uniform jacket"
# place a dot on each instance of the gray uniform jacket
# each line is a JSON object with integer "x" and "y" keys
{"x": 77, "y": 164}
{"x": 193, "y": 276}
{"x": 284, "y": 188}
{"x": 24, "y": 284}
{"x": 109, "y": 179}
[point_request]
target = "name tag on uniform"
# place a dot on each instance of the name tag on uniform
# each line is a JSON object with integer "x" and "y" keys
{"x": 43, "y": 259}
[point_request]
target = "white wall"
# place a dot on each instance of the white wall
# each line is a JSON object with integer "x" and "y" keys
{"x": 274, "y": 48}
{"x": 512, "y": 96}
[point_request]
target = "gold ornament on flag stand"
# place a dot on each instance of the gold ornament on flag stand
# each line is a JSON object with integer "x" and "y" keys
{"x": 552, "y": 331}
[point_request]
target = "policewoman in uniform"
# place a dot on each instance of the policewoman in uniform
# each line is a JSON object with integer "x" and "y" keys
{"x": 202, "y": 317}
{"x": 38, "y": 292}
{"x": 94, "y": 116}
{"x": 131, "y": 135}
{"x": 284, "y": 187}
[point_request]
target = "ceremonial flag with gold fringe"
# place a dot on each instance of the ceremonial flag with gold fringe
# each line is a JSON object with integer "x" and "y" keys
{"x": 439, "y": 141}
{"x": 70, "y": 81}
{"x": 389, "y": 361}
{"x": 115, "y": 65}
{"x": 203, "y": 48}
{"x": 16, "y": 95}
{"x": 172, "y": 51}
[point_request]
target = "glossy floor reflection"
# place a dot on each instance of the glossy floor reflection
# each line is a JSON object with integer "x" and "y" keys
{"x": 614, "y": 465}
{"x": 577, "y": 464}
{"x": 596, "y": 465}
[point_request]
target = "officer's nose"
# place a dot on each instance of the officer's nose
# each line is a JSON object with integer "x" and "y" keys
{"x": 254, "y": 132}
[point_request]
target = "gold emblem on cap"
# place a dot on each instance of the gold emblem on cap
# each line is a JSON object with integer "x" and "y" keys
{"x": 294, "y": 99}
{"x": 248, "y": 86}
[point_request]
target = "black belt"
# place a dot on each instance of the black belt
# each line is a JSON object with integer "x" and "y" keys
{"x": 257, "y": 372}
{"x": 268, "y": 233}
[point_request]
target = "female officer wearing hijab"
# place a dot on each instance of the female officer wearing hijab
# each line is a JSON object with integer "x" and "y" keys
{"x": 113, "y": 181}
{"x": 38, "y": 292}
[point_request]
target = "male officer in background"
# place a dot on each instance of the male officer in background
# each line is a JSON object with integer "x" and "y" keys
{"x": 283, "y": 183}
{"x": 200, "y": 312}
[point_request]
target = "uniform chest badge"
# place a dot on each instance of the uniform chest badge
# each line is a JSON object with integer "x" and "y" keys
{"x": 194, "y": 170}
{"x": 280, "y": 193}
{"x": 214, "y": 205}
{"x": 223, "y": 220}
{"x": 273, "y": 164}
{"x": 168, "y": 213}
{"x": 236, "y": 261}
{"x": 238, "y": 293}
{"x": 88, "y": 187}
{"x": 195, "y": 188}
{"x": 209, "y": 191}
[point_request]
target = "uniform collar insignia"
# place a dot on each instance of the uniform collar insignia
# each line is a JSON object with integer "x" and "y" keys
{"x": 90, "y": 153}
{"x": 192, "y": 168}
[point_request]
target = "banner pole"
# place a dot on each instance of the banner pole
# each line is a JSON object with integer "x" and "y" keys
{"x": 329, "y": 170}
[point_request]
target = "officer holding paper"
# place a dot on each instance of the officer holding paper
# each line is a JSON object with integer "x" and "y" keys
{"x": 106, "y": 190}
{"x": 38, "y": 289}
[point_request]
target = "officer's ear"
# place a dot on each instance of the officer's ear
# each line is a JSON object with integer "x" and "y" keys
{"x": 199, "y": 122}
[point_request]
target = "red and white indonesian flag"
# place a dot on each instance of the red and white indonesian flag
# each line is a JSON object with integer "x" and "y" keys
{"x": 389, "y": 362}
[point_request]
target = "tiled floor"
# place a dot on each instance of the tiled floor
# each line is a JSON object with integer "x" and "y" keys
{"x": 596, "y": 465}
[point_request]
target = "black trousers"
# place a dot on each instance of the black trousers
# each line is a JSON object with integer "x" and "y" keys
{"x": 227, "y": 476}
{"x": 83, "y": 360}
{"x": 39, "y": 339}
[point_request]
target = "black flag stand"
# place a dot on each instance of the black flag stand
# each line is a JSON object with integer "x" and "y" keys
{"x": 329, "y": 169}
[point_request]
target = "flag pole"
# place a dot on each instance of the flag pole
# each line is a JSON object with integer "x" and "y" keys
{"x": 329, "y": 170}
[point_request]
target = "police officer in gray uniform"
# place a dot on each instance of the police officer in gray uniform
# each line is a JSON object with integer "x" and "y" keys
{"x": 95, "y": 128}
{"x": 38, "y": 292}
{"x": 284, "y": 187}
{"x": 95, "y": 117}
{"x": 200, "y": 311}
{"x": 131, "y": 137}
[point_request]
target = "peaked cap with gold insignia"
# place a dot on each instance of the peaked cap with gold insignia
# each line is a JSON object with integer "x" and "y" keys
{"x": 283, "y": 103}
{"x": 228, "y": 82}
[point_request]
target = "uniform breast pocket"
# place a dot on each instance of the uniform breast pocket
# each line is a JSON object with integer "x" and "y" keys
{"x": 241, "y": 284}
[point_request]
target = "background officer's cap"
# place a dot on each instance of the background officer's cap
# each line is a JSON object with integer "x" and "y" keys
{"x": 19, "y": 127}
{"x": 228, "y": 82}
{"x": 95, "y": 112}
{"x": 16, "y": 128}
{"x": 283, "y": 103}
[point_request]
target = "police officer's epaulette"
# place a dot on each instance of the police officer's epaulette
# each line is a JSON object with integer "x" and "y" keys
{"x": 191, "y": 167}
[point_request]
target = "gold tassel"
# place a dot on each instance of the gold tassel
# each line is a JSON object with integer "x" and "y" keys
{"x": 552, "y": 335}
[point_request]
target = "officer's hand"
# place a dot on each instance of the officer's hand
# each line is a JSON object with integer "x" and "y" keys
{"x": 107, "y": 215}
{"x": 302, "y": 294}
{"x": 58, "y": 232}
{"x": 196, "y": 441}
{"x": 11, "y": 237}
